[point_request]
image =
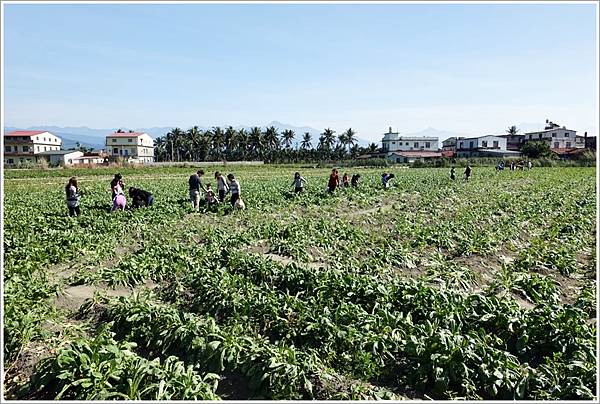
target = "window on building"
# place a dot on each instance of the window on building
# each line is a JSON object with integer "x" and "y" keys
{"x": 461, "y": 145}
{"x": 416, "y": 144}
{"x": 45, "y": 149}
{"x": 484, "y": 143}
{"x": 553, "y": 134}
{"x": 470, "y": 145}
{"x": 530, "y": 137}
{"x": 568, "y": 144}
{"x": 37, "y": 138}
{"x": 428, "y": 144}
{"x": 131, "y": 141}
{"x": 115, "y": 151}
{"x": 556, "y": 145}
{"x": 406, "y": 144}
{"x": 540, "y": 136}
{"x": 393, "y": 142}
{"x": 114, "y": 140}
{"x": 11, "y": 161}
{"x": 25, "y": 148}
{"x": 566, "y": 134}
{"x": 495, "y": 144}
{"x": 37, "y": 148}
{"x": 44, "y": 139}
{"x": 6, "y": 148}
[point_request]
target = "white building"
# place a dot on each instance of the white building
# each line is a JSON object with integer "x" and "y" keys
{"x": 25, "y": 145}
{"x": 133, "y": 146}
{"x": 92, "y": 159}
{"x": 392, "y": 142}
{"x": 62, "y": 157}
{"x": 484, "y": 146}
{"x": 556, "y": 137}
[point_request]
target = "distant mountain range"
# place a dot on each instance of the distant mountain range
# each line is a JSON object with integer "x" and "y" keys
{"x": 95, "y": 138}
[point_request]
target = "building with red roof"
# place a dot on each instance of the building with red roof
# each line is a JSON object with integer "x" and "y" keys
{"x": 26, "y": 146}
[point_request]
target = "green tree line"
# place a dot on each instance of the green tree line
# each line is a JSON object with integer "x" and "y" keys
{"x": 256, "y": 143}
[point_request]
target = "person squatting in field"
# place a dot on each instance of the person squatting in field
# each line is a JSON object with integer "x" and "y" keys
{"x": 222, "y": 186}
{"x": 195, "y": 183}
{"x": 209, "y": 196}
{"x": 334, "y": 181}
{"x": 73, "y": 196}
{"x": 140, "y": 197}
{"x": 298, "y": 183}
{"x": 355, "y": 179}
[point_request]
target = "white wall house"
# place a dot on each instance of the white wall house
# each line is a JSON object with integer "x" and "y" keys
{"x": 133, "y": 146}
{"x": 392, "y": 142}
{"x": 62, "y": 157}
{"x": 483, "y": 146}
{"x": 556, "y": 137}
{"x": 25, "y": 145}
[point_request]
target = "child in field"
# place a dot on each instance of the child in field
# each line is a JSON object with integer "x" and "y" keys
{"x": 298, "y": 183}
{"x": 119, "y": 200}
{"x": 452, "y": 173}
{"x": 117, "y": 180}
{"x": 73, "y": 196}
{"x": 345, "y": 180}
{"x": 234, "y": 188}
{"x": 355, "y": 179}
{"x": 210, "y": 195}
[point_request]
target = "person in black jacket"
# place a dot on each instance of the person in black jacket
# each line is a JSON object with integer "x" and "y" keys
{"x": 140, "y": 197}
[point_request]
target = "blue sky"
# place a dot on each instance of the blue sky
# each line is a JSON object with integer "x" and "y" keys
{"x": 466, "y": 68}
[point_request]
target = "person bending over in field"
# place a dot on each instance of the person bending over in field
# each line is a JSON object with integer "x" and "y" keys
{"x": 334, "y": 181}
{"x": 195, "y": 183}
{"x": 345, "y": 180}
{"x": 140, "y": 197}
{"x": 119, "y": 200}
{"x": 467, "y": 172}
{"x": 222, "y": 187}
{"x": 73, "y": 196}
{"x": 234, "y": 188}
{"x": 385, "y": 179}
{"x": 298, "y": 183}
{"x": 355, "y": 179}
{"x": 453, "y": 173}
{"x": 118, "y": 180}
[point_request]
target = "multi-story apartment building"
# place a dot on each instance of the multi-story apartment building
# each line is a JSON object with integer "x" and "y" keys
{"x": 392, "y": 142}
{"x": 26, "y": 145}
{"x": 556, "y": 137}
{"x": 133, "y": 146}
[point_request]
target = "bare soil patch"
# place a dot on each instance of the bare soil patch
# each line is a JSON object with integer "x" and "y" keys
{"x": 22, "y": 368}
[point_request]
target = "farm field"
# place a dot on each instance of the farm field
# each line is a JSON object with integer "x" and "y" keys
{"x": 431, "y": 289}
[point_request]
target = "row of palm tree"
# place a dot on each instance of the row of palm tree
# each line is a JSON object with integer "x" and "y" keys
{"x": 255, "y": 143}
